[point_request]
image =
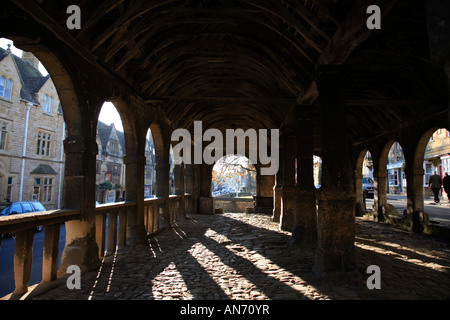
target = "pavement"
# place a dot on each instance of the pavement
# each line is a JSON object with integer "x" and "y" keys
{"x": 245, "y": 257}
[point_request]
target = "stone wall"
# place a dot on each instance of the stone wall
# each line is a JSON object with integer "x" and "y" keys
{"x": 233, "y": 205}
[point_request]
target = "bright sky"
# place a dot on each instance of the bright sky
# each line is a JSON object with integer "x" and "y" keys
{"x": 108, "y": 114}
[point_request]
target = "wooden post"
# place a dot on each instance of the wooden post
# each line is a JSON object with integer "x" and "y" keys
{"x": 50, "y": 256}
{"x": 23, "y": 260}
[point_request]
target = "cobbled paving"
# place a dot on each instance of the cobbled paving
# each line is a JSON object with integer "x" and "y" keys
{"x": 246, "y": 257}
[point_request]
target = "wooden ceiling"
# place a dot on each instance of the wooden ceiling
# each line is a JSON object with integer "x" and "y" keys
{"x": 233, "y": 63}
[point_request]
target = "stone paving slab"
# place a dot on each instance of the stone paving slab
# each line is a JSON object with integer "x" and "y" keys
{"x": 246, "y": 257}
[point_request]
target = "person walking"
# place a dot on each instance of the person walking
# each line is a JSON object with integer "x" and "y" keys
{"x": 446, "y": 185}
{"x": 435, "y": 183}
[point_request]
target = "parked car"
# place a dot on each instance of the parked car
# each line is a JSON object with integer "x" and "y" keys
{"x": 368, "y": 187}
{"x": 24, "y": 207}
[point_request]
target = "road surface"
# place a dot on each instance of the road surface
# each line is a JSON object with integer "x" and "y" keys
{"x": 438, "y": 212}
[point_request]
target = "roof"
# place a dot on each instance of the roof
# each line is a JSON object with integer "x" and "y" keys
{"x": 104, "y": 133}
{"x": 32, "y": 78}
{"x": 43, "y": 169}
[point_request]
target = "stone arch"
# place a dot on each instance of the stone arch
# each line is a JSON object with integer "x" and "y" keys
{"x": 359, "y": 192}
{"x": 80, "y": 148}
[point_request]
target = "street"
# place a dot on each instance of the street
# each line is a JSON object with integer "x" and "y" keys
{"x": 7, "y": 260}
{"x": 438, "y": 212}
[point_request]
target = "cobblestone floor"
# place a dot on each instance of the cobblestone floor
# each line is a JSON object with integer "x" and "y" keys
{"x": 244, "y": 256}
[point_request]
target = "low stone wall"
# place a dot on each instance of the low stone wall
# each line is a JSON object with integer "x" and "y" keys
{"x": 233, "y": 205}
{"x": 429, "y": 227}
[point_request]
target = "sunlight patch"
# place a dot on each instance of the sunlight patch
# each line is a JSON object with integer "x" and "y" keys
{"x": 175, "y": 290}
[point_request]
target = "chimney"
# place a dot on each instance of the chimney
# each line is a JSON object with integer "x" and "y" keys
{"x": 28, "y": 56}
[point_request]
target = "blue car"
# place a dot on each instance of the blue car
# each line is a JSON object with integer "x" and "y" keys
{"x": 24, "y": 207}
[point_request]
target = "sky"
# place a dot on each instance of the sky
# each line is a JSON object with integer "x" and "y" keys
{"x": 108, "y": 114}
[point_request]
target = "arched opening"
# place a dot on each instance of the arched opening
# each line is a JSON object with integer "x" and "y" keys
{"x": 396, "y": 170}
{"x": 364, "y": 182}
{"x": 233, "y": 176}
{"x": 436, "y": 160}
{"x": 317, "y": 171}
{"x": 110, "y": 168}
{"x": 150, "y": 160}
{"x": 39, "y": 110}
{"x": 233, "y": 183}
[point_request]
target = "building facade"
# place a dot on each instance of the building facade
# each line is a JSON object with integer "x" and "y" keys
{"x": 32, "y": 131}
{"x": 110, "y": 170}
{"x": 436, "y": 159}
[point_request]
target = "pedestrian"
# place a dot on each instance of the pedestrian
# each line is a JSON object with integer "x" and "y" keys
{"x": 446, "y": 185}
{"x": 435, "y": 183}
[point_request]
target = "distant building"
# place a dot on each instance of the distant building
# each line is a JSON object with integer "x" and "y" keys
{"x": 32, "y": 131}
{"x": 436, "y": 159}
{"x": 110, "y": 170}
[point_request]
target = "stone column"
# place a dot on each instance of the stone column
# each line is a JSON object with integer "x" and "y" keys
{"x": 162, "y": 187}
{"x": 336, "y": 199}
{"x": 414, "y": 200}
{"x": 178, "y": 172}
{"x": 79, "y": 183}
{"x": 305, "y": 229}
{"x": 189, "y": 185}
{"x": 359, "y": 194}
{"x": 380, "y": 192}
{"x": 288, "y": 188}
{"x": 134, "y": 182}
{"x": 277, "y": 187}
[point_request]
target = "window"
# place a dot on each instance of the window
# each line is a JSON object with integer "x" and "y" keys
{"x": 428, "y": 172}
{"x": 9, "y": 190}
{"x": 3, "y": 135}
{"x": 393, "y": 177}
{"x": 48, "y": 103}
{"x": 44, "y": 142}
{"x": 2, "y": 86}
{"x": 27, "y": 207}
{"x": 42, "y": 189}
{"x": 15, "y": 208}
{"x": 5, "y": 88}
{"x": 9, "y": 89}
{"x": 114, "y": 146}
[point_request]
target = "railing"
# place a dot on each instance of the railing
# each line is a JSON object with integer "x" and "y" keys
{"x": 24, "y": 226}
{"x": 111, "y": 228}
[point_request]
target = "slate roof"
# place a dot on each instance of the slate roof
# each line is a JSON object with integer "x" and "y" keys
{"x": 32, "y": 79}
{"x": 43, "y": 169}
{"x": 104, "y": 133}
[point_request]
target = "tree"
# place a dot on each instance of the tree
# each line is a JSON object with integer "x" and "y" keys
{"x": 232, "y": 170}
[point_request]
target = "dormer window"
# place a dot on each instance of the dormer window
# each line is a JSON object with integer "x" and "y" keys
{"x": 5, "y": 87}
{"x": 48, "y": 103}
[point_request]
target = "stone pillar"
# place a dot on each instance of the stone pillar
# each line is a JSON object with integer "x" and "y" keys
{"x": 277, "y": 187}
{"x": 196, "y": 186}
{"x": 336, "y": 199}
{"x": 178, "y": 172}
{"x": 189, "y": 185}
{"x": 359, "y": 194}
{"x": 380, "y": 192}
{"x": 79, "y": 183}
{"x": 206, "y": 201}
{"x": 264, "y": 185}
{"x": 206, "y": 180}
{"x": 288, "y": 189}
{"x": 414, "y": 200}
{"x": 305, "y": 229}
{"x": 162, "y": 187}
{"x": 134, "y": 182}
